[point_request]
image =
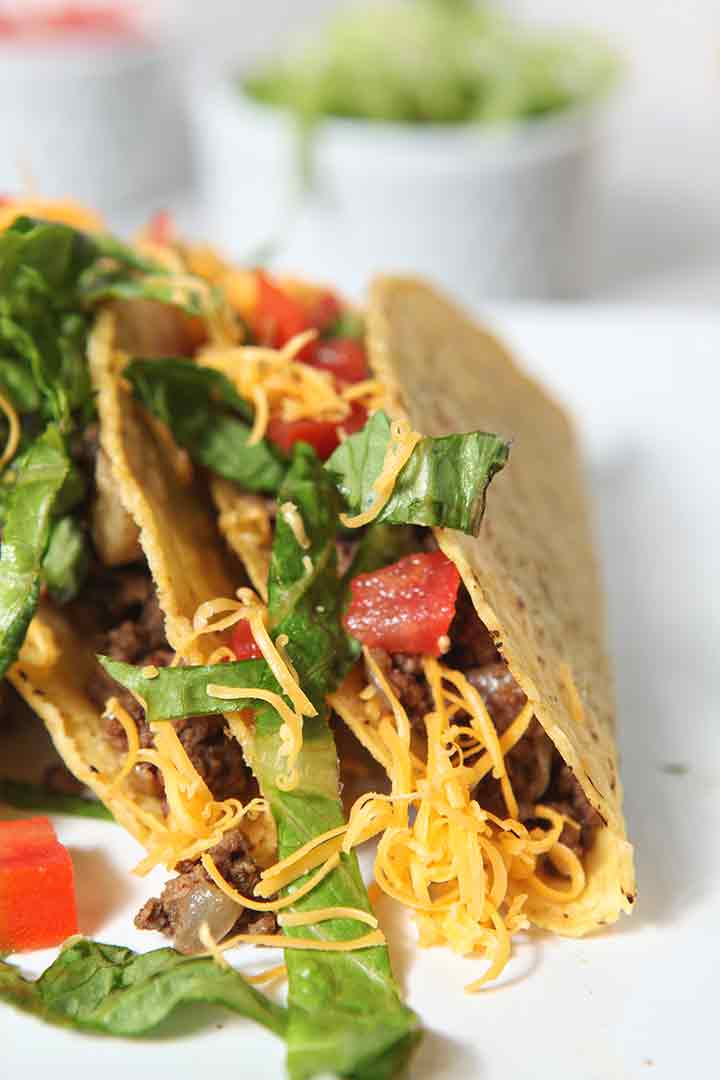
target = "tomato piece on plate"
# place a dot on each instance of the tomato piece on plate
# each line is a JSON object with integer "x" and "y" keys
{"x": 26, "y": 837}
{"x": 322, "y": 435}
{"x": 405, "y": 607}
{"x": 278, "y": 317}
{"x": 243, "y": 643}
{"x": 343, "y": 357}
{"x": 37, "y": 887}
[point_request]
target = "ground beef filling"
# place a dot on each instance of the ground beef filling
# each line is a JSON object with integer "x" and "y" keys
{"x": 536, "y": 770}
{"x": 125, "y": 605}
{"x": 191, "y": 898}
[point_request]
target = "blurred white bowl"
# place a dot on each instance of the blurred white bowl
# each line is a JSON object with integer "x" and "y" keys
{"x": 98, "y": 120}
{"x": 495, "y": 213}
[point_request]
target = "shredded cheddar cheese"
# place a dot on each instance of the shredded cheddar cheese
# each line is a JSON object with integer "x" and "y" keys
{"x": 466, "y": 873}
{"x": 281, "y": 941}
{"x": 317, "y": 915}
{"x": 293, "y": 518}
{"x": 219, "y": 615}
{"x": 278, "y": 386}
{"x": 195, "y": 821}
{"x": 403, "y": 441}
{"x": 13, "y": 438}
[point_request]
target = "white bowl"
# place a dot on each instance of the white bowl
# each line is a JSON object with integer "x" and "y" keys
{"x": 100, "y": 121}
{"x": 485, "y": 212}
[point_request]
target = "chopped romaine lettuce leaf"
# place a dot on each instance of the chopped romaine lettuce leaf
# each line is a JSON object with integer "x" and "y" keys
{"x": 67, "y": 560}
{"x": 114, "y": 991}
{"x": 443, "y": 484}
{"x": 26, "y": 534}
{"x": 209, "y": 419}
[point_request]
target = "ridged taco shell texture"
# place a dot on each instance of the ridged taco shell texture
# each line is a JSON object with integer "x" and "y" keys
{"x": 532, "y": 572}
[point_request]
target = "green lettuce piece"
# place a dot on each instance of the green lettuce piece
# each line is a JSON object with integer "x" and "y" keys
{"x": 444, "y": 482}
{"x": 176, "y": 693}
{"x": 115, "y": 991}
{"x": 209, "y": 419}
{"x": 17, "y": 384}
{"x": 26, "y": 535}
{"x": 41, "y": 264}
{"x": 345, "y": 1013}
{"x": 67, "y": 560}
{"x": 24, "y": 796}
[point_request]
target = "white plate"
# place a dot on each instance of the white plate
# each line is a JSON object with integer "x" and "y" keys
{"x": 639, "y": 1000}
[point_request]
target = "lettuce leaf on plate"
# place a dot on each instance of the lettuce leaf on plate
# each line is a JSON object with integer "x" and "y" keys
{"x": 114, "y": 991}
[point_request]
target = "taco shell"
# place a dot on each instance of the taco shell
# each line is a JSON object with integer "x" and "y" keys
{"x": 531, "y": 573}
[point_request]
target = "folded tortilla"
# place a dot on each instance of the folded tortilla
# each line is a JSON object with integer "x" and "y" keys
{"x": 532, "y": 572}
{"x": 187, "y": 560}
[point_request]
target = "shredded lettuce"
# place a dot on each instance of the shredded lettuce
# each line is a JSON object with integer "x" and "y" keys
{"x": 51, "y": 276}
{"x": 67, "y": 559}
{"x": 444, "y": 483}
{"x": 26, "y": 535}
{"x": 209, "y": 419}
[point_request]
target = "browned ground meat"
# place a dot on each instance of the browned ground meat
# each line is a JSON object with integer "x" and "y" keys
{"x": 168, "y": 912}
{"x": 132, "y": 630}
{"x": 536, "y": 770}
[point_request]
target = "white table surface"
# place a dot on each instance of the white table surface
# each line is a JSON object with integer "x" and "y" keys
{"x": 638, "y": 1001}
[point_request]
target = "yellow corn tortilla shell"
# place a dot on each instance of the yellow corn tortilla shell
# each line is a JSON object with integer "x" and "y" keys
{"x": 188, "y": 562}
{"x": 531, "y": 573}
{"x": 246, "y": 527}
{"x": 178, "y": 534}
{"x": 54, "y": 667}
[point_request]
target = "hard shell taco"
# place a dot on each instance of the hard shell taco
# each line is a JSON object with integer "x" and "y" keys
{"x": 349, "y": 464}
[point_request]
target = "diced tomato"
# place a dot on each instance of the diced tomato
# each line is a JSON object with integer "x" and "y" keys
{"x": 343, "y": 357}
{"x": 278, "y": 316}
{"x": 405, "y": 607}
{"x": 37, "y": 887}
{"x": 354, "y": 421}
{"x": 243, "y": 643}
{"x": 161, "y": 228}
{"x": 322, "y": 435}
{"x": 324, "y": 310}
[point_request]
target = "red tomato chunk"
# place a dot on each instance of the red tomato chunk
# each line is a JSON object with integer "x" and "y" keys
{"x": 406, "y": 607}
{"x": 342, "y": 357}
{"x": 278, "y": 316}
{"x": 243, "y": 643}
{"x": 322, "y": 435}
{"x": 37, "y": 887}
